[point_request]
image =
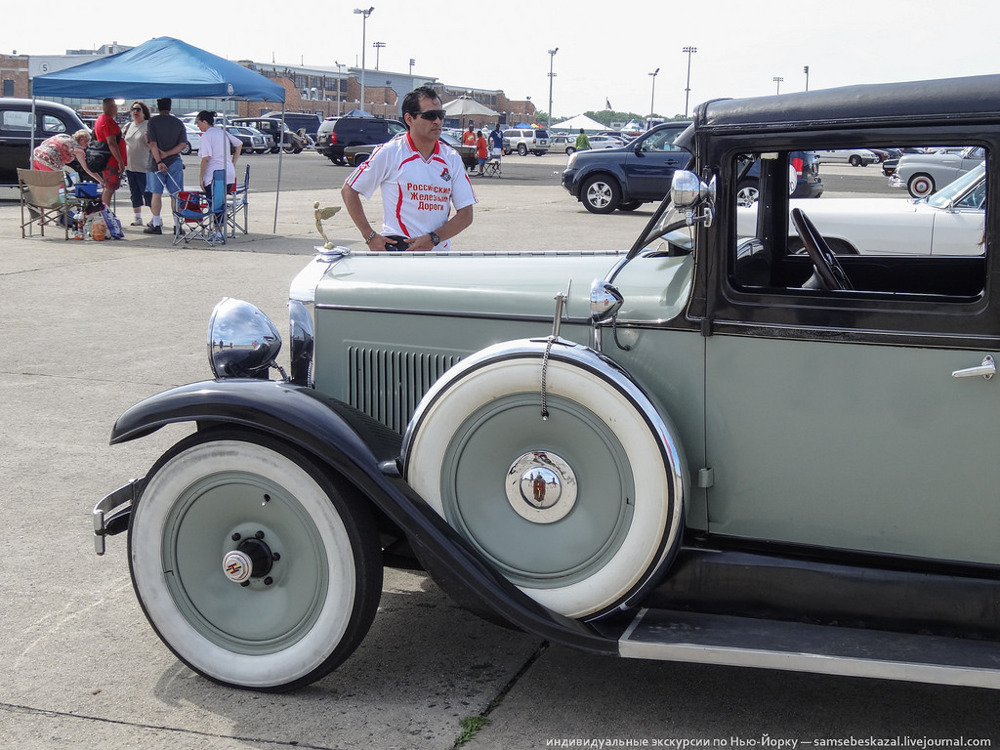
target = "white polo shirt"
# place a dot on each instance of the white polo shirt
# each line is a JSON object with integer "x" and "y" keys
{"x": 417, "y": 194}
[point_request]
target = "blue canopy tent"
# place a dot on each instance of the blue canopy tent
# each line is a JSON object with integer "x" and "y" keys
{"x": 160, "y": 68}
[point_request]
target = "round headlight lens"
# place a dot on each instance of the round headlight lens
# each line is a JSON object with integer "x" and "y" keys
{"x": 242, "y": 341}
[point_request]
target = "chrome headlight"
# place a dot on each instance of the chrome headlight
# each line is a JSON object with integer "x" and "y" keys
{"x": 242, "y": 341}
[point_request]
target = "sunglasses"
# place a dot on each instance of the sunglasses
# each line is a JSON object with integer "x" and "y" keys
{"x": 137, "y": 109}
{"x": 431, "y": 114}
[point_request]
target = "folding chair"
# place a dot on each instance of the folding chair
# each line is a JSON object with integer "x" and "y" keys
{"x": 492, "y": 168}
{"x": 44, "y": 195}
{"x": 198, "y": 218}
{"x": 239, "y": 203}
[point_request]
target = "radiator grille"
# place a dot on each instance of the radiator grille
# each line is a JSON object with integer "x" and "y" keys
{"x": 386, "y": 384}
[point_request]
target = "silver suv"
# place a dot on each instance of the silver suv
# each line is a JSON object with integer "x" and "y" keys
{"x": 524, "y": 140}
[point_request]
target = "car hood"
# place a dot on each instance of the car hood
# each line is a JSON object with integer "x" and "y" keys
{"x": 506, "y": 286}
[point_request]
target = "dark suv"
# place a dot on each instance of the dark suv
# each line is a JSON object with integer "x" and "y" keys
{"x": 807, "y": 181}
{"x": 15, "y": 132}
{"x": 335, "y": 134}
{"x": 625, "y": 178}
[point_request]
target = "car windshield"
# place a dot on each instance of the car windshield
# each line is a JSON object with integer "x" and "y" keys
{"x": 962, "y": 191}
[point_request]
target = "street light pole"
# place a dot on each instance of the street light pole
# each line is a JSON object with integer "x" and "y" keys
{"x": 364, "y": 25}
{"x": 777, "y": 81}
{"x": 552, "y": 57}
{"x": 378, "y": 46}
{"x": 340, "y": 79}
{"x": 805, "y": 69}
{"x": 652, "y": 94}
{"x": 687, "y": 88}
{"x": 412, "y": 63}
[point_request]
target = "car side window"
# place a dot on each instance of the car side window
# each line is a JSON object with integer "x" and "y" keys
{"x": 848, "y": 230}
{"x": 52, "y": 124}
{"x": 15, "y": 120}
{"x": 661, "y": 141}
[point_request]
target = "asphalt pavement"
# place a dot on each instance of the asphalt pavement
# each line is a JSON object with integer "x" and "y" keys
{"x": 89, "y": 328}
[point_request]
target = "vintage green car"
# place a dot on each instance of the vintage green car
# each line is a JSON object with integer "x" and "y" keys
{"x": 710, "y": 448}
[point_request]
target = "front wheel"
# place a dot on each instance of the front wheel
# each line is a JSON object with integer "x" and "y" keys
{"x": 522, "y": 150}
{"x": 629, "y": 205}
{"x": 601, "y": 195}
{"x": 747, "y": 193}
{"x": 250, "y": 563}
{"x": 920, "y": 185}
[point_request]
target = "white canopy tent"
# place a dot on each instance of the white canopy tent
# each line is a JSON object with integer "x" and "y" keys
{"x": 580, "y": 121}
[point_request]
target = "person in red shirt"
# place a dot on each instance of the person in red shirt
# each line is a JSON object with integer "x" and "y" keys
{"x": 482, "y": 152}
{"x": 106, "y": 129}
{"x": 468, "y": 137}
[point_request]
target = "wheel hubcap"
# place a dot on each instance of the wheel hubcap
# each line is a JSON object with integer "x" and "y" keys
{"x": 251, "y": 559}
{"x": 541, "y": 487}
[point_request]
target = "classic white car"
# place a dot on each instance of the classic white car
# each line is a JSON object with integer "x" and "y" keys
{"x": 949, "y": 222}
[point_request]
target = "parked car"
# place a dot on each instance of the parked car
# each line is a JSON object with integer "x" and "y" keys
{"x": 948, "y": 222}
{"x": 562, "y": 142}
{"x": 254, "y": 142}
{"x": 705, "y": 448}
{"x": 16, "y": 132}
{"x": 285, "y": 138}
{"x": 296, "y": 121}
{"x": 807, "y": 181}
{"x": 921, "y": 174}
{"x": 625, "y": 178}
{"x": 605, "y": 141}
{"x": 193, "y": 138}
{"x": 523, "y": 140}
{"x": 856, "y": 157}
{"x": 335, "y": 134}
{"x": 355, "y": 155}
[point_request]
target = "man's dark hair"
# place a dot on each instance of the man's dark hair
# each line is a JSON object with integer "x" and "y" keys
{"x": 411, "y": 102}
{"x": 207, "y": 116}
{"x": 163, "y": 105}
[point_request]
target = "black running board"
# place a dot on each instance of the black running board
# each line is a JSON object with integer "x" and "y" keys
{"x": 822, "y": 649}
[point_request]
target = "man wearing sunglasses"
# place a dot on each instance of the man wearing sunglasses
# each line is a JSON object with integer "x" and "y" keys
{"x": 420, "y": 179}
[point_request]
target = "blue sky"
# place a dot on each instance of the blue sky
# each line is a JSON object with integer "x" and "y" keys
{"x": 604, "y": 54}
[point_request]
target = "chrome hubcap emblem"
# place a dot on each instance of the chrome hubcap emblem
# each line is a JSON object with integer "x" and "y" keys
{"x": 541, "y": 487}
{"x": 237, "y": 566}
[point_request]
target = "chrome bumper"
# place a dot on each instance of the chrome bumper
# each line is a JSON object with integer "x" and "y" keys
{"x": 895, "y": 182}
{"x": 111, "y": 514}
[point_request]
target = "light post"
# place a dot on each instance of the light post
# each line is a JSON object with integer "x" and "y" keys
{"x": 687, "y": 87}
{"x": 364, "y": 27}
{"x": 340, "y": 81}
{"x": 652, "y": 94}
{"x": 777, "y": 81}
{"x": 412, "y": 63}
{"x": 805, "y": 69}
{"x": 552, "y": 57}
{"x": 378, "y": 46}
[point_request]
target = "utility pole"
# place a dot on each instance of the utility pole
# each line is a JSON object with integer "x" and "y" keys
{"x": 687, "y": 88}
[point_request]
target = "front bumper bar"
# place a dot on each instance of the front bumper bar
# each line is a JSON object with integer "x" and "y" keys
{"x": 111, "y": 514}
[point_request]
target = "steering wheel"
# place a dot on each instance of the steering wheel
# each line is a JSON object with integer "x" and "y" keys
{"x": 831, "y": 273}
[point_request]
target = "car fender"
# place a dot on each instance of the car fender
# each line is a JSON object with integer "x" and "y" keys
{"x": 364, "y": 453}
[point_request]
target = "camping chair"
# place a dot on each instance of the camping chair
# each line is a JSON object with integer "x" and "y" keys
{"x": 239, "y": 203}
{"x": 44, "y": 196}
{"x": 198, "y": 218}
{"x": 492, "y": 168}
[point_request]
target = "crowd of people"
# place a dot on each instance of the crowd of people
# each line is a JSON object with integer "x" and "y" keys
{"x": 426, "y": 193}
{"x": 146, "y": 152}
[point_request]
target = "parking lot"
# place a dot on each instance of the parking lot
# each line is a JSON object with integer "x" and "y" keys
{"x": 90, "y": 328}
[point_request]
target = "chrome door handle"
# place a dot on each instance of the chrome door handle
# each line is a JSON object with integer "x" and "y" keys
{"x": 986, "y": 370}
